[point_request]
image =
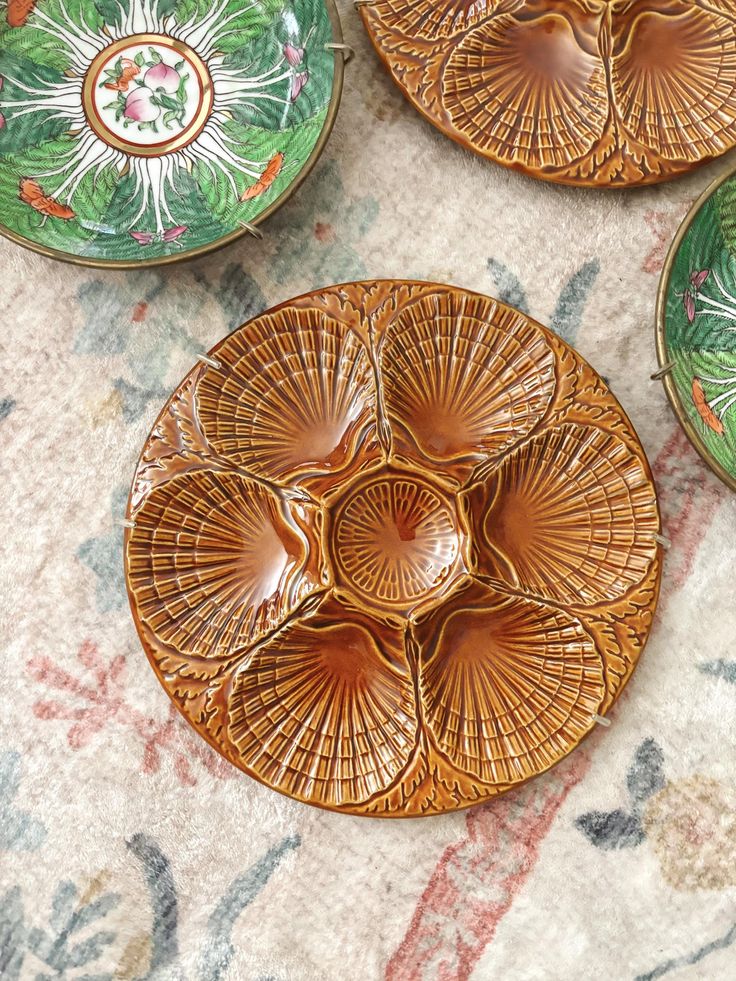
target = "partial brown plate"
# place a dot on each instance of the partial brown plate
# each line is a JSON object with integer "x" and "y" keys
{"x": 393, "y": 548}
{"x": 585, "y": 92}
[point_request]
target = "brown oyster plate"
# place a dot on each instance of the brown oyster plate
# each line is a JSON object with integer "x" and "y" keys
{"x": 393, "y": 548}
{"x": 598, "y": 93}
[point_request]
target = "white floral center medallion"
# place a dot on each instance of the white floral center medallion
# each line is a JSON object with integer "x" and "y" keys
{"x": 147, "y": 94}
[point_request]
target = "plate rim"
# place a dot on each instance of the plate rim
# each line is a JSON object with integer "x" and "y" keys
{"x": 220, "y": 243}
{"x": 663, "y": 359}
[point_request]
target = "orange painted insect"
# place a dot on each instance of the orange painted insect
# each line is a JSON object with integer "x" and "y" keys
{"x": 704, "y": 410}
{"x": 19, "y": 11}
{"x": 270, "y": 172}
{"x": 126, "y": 76}
{"x": 31, "y": 193}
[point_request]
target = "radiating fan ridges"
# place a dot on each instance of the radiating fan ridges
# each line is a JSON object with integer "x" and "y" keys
{"x": 214, "y": 562}
{"x": 293, "y": 393}
{"x": 508, "y": 686}
{"x": 572, "y": 513}
{"x": 396, "y": 539}
{"x": 498, "y": 93}
{"x": 463, "y": 377}
{"x": 433, "y": 611}
{"x": 679, "y": 104}
{"x": 589, "y": 92}
{"x": 320, "y": 713}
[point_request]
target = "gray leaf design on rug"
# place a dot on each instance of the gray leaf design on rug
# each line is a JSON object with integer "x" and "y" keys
{"x": 57, "y": 947}
{"x": 217, "y": 949}
{"x": 571, "y": 301}
{"x": 19, "y": 831}
{"x": 622, "y": 828}
{"x": 720, "y": 668}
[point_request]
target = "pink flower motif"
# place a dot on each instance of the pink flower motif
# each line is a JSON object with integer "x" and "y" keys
{"x": 698, "y": 278}
{"x": 100, "y": 701}
{"x": 297, "y": 84}
{"x": 171, "y": 234}
{"x": 167, "y": 235}
{"x": 161, "y": 76}
{"x": 293, "y": 55}
{"x": 96, "y": 698}
{"x": 140, "y": 107}
{"x": 143, "y": 238}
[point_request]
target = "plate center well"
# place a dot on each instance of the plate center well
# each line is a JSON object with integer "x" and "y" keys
{"x": 396, "y": 539}
{"x": 147, "y": 94}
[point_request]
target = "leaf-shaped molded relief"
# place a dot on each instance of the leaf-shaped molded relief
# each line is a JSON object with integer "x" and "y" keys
{"x": 464, "y": 378}
{"x": 508, "y": 686}
{"x": 620, "y": 631}
{"x": 176, "y": 443}
{"x": 325, "y": 710}
{"x": 215, "y": 561}
{"x": 293, "y": 396}
{"x": 429, "y": 21}
{"x": 673, "y": 74}
{"x": 570, "y": 516}
{"x": 582, "y": 398}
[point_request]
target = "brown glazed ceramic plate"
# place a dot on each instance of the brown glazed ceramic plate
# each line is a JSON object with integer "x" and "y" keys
{"x": 393, "y": 548}
{"x": 604, "y": 93}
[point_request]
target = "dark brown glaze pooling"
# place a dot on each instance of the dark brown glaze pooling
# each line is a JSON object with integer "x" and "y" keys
{"x": 394, "y": 550}
{"x": 603, "y": 93}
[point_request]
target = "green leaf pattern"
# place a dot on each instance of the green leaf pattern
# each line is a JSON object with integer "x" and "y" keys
{"x": 126, "y": 206}
{"x": 700, "y": 325}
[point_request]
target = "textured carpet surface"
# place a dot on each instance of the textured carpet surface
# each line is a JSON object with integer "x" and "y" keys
{"x": 127, "y": 848}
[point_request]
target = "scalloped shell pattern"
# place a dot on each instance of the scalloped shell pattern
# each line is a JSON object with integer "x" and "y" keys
{"x": 293, "y": 395}
{"x": 464, "y": 379}
{"x": 508, "y": 686}
{"x": 325, "y": 711}
{"x": 528, "y": 90}
{"x": 674, "y": 78}
{"x": 569, "y": 516}
{"x": 393, "y": 548}
{"x": 215, "y": 561}
{"x": 395, "y": 538}
{"x": 589, "y": 92}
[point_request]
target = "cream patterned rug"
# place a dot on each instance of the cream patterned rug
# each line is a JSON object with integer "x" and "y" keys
{"x": 129, "y": 850}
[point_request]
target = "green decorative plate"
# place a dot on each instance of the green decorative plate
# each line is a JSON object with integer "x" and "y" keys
{"x": 140, "y": 132}
{"x": 696, "y": 326}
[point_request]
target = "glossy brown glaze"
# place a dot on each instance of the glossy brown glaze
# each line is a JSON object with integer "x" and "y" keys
{"x": 394, "y": 550}
{"x": 394, "y": 539}
{"x": 591, "y": 92}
